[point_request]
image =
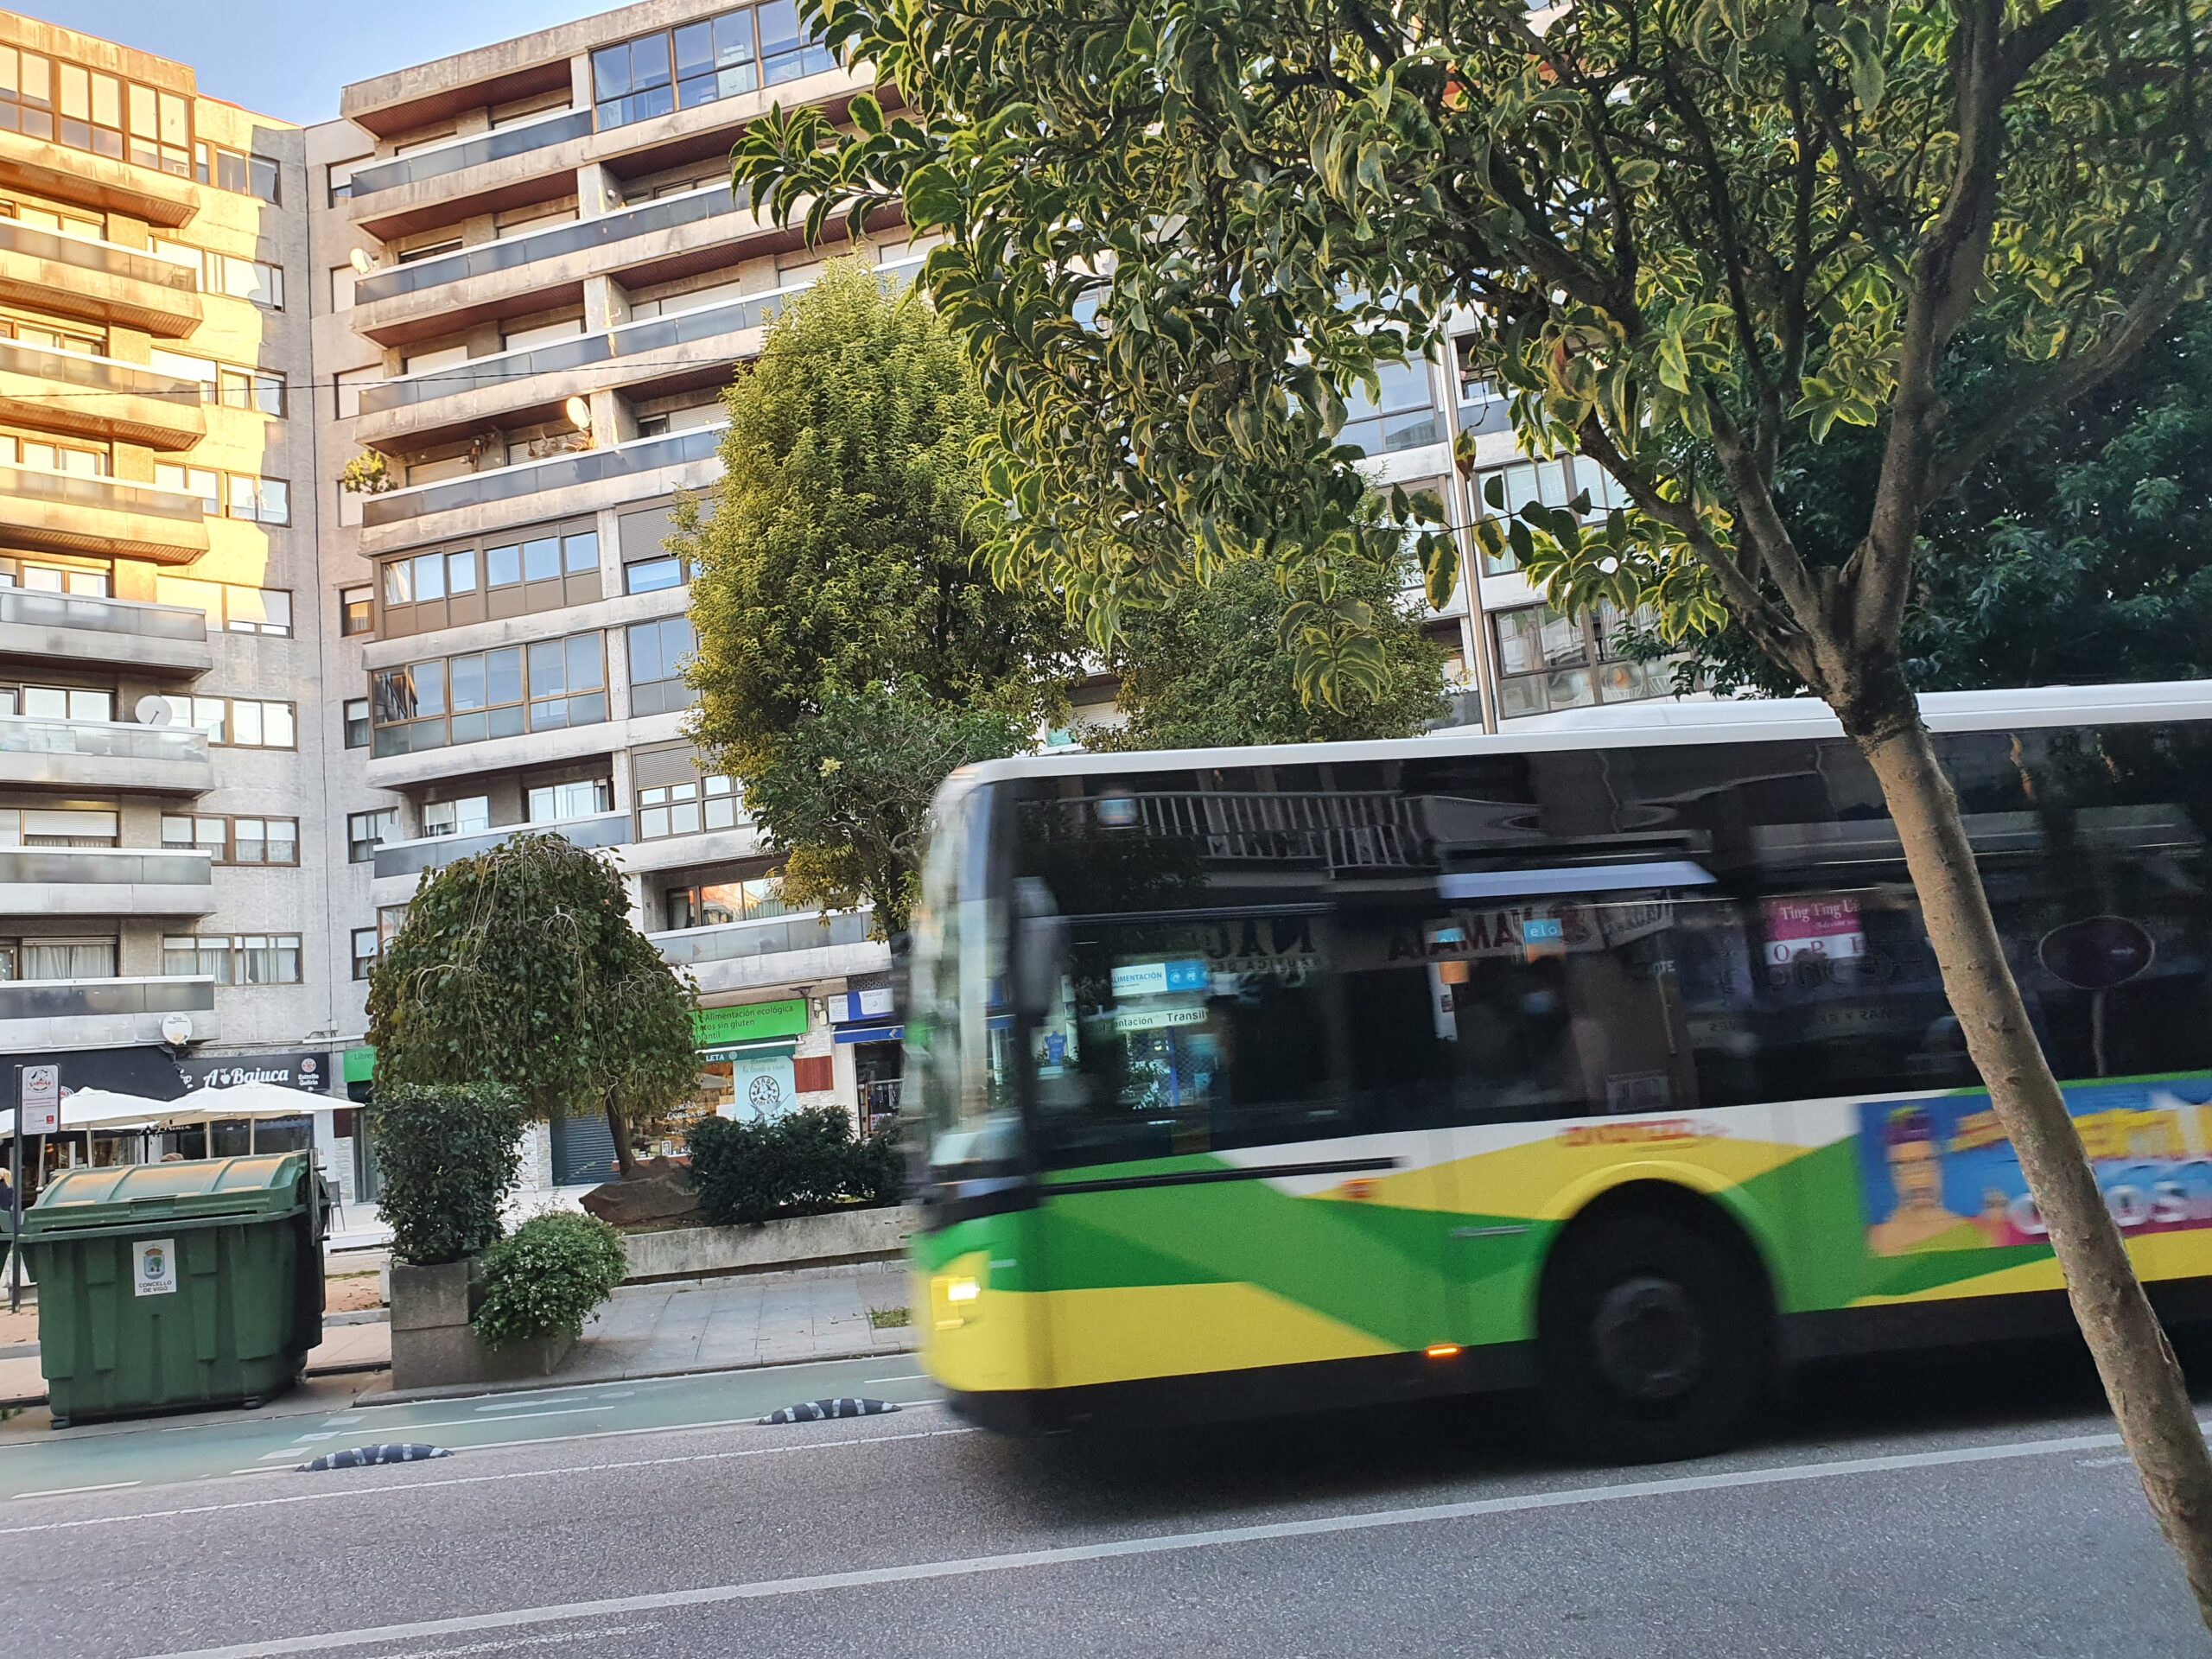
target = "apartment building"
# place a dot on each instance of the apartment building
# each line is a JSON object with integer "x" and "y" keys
{"x": 532, "y": 281}
{"x": 162, "y": 914}
{"x": 335, "y": 472}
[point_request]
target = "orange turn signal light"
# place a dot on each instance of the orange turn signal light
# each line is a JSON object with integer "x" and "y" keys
{"x": 1443, "y": 1349}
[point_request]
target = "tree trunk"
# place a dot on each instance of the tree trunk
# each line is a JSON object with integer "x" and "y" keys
{"x": 626, "y": 1157}
{"x": 2141, "y": 1378}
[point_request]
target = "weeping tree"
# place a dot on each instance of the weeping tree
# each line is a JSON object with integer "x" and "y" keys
{"x": 1693, "y": 238}
{"x": 519, "y": 966}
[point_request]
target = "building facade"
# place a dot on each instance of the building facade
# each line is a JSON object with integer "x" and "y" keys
{"x": 335, "y": 468}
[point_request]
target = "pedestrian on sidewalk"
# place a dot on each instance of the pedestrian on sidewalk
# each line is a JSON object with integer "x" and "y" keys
{"x": 7, "y": 1218}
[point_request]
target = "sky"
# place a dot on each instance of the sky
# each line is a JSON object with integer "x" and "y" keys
{"x": 288, "y": 58}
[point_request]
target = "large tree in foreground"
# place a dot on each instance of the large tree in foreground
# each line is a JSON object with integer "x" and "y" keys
{"x": 1695, "y": 237}
{"x": 519, "y": 966}
{"x": 839, "y": 571}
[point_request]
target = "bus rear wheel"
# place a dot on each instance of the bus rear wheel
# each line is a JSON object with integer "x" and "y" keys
{"x": 1652, "y": 1340}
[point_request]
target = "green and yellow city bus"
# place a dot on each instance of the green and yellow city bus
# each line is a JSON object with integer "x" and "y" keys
{"x": 1610, "y": 1057}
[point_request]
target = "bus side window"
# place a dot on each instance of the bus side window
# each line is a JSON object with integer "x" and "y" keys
{"x": 1189, "y": 1037}
{"x": 1545, "y": 1006}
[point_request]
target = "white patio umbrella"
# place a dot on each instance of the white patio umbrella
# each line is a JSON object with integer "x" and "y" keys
{"x": 99, "y": 1108}
{"x": 246, "y": 1099}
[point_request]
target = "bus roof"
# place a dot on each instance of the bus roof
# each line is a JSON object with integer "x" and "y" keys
{"x": 1655, "y": 721}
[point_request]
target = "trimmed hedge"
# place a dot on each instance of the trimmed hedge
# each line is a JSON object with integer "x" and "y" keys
{"x": 801, "y": 1164}
{"x": 548, "y": 1276}
{"x": 449, "y": 1152}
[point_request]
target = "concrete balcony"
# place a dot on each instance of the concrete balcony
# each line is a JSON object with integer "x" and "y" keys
{"x": 47, "y": 169}
{"x": 520, "y": 273}
{"x": 108, "y": 518}
{"x": 105, "y": 882}
{"x": 400, "y": 864}
{"x": 558, "y": 486}
{"x": 91, "y": 754}
{"x": 113, "y": 632}
{"x": 514, "y": 750}
{"x": 486, "y": 389}
{"x": 786, "y": 950}
{"x": 99, "y": 397}
{"x": 458, "y": 155}
{"x": 99, "y": 282}
{"x": 52, "y": 1013}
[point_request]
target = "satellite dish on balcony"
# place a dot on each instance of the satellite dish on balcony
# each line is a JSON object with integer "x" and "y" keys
{"x": 153, "y": 710}
{"x": 364, "y": 262}
{"x": 578, "y": 409}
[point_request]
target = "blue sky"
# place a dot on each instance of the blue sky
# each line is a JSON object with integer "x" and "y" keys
{"x": 289, "y": 58}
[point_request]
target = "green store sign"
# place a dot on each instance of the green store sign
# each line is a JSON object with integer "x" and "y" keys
{"x": 749, "y": 1022}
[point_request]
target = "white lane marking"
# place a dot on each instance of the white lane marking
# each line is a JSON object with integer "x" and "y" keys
{"x": 877, "y": 1381}
{"x": 1165, "y": 1543}
{"x": 2103, "y": 1463}
{"x": 553, "y": 1639}
{"x": 71, "y": 1491}
{"x": 356, "y": 1494}
{"x": 507, "y": 1417}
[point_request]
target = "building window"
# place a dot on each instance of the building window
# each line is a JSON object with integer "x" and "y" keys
{"x": 64, "y": 958}
{"x": 390, "y": 920}
{"x": 234, "y": 958}
{"x": 64, "y": 702}
{"x": 92, "y": 584}
{"x": 544, "y": 686}
{"x": 105, "y": 115}
{"x": 582, "y": 797}
{"x": 1552, "y": 483}
{"x": 255, "y": 388}
{"x": 1403, "y": 417}
{"x": 65, "y": 826}
{"x": 42, "y": 457}
{"x": 715, "y": 904}
{"x": 716, "y": 58}
{"x": 366, "y": 948}
{"x": 238, "y": 722}
{"x": 357, "y": 610}
{"x": 657, "y": 653}
{"x": 470, "y": 815}
{"x": 652, "y": 575}
{"x": 264, "y": 501}
{"x": 1547, "y": 660}
{"x": 366, "y": 831}
{"x": 357, "y": 722}
{"x": 454, "y": 587}
{"x": 229, "y": 169}
{"x": 233, "y": 839}
{"x": 688, "y": 809}
{"x": 229, "y": 607}
{"x": 246, "y": 279}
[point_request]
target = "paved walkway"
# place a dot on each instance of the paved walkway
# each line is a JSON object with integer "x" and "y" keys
{"x": 770, "y": 1319}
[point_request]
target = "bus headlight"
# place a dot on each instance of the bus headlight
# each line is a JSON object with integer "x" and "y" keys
{"x": 951, "y": 1295}
{"x": 962, "y": 1290}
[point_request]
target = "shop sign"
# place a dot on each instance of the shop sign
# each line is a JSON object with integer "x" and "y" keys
{"x": 764, "y": 1084}
{"x": 39, "y": 1099}
{"x": 307, "y": 1072}
{"x": 848, "y": 1007}
{"x": 749, "y": 1022}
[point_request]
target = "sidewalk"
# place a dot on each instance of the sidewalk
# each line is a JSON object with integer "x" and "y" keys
{"x": 711, "y": 1324}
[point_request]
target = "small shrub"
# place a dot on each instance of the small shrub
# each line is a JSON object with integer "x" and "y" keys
{"x": 548, "y": 1277}
{"x": 801, "y": 1164}
{"x": 449, "y": 1152}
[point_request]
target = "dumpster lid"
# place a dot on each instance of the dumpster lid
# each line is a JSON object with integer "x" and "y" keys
{"x": 131, "y": 1194}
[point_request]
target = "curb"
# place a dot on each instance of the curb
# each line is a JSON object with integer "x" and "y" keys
{"x": 352, "y": 1368}
{"x": 555, "y": 1384}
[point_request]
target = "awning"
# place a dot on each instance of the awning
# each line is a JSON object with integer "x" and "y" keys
{"x": 870, "y": 1033}
{"x": 145, "y": 1070}
{"x": 767, "y": 1049}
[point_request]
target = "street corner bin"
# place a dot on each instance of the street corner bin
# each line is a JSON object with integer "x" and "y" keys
{"x": 165, "y": 1287}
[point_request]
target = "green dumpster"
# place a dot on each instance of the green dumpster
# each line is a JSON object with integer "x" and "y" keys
{"x": 168, "y": 1286}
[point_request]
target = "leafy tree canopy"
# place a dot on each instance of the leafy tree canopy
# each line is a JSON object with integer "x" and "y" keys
{"x": 519, "y": 966}
{"x": 838, "y": 555}
{"x": 2080, "y": 552}
{"x": 1207, "y": 668}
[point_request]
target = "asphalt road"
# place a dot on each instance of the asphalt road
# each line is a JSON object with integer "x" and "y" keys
{"x": 1914, "y": 1509}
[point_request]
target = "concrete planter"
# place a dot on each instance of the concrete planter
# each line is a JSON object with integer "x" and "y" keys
{"x": 799, "y": 1242}
{"x": 433, "y": 1343}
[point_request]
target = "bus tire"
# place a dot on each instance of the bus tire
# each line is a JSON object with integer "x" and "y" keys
{"x": 1654, "y": 1336}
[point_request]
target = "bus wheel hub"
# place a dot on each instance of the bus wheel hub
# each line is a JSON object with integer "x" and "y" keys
{"x": 1649, "y": 1343}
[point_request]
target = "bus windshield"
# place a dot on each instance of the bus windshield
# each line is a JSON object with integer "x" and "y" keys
{"x": 958, "y": 1032}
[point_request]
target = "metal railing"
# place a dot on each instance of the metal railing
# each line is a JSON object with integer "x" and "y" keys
{"x": 435, "y": 852}
{"x": 472, "y": 151}
{"x": 737, "y": 941}
{"x": 1344, "y": 830}
{"x": 101, "y": 739}
{"x": 573, "y": 237}
{"x": 533, "y": 477}
{"x": 63, "y": 999}
{"x": 30, "y": 607}
{"x": 71, "y": 866}
{"x": 99, "y": 494}
{"x": 109, "y": 259}
{"x": 629, "y": 340}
